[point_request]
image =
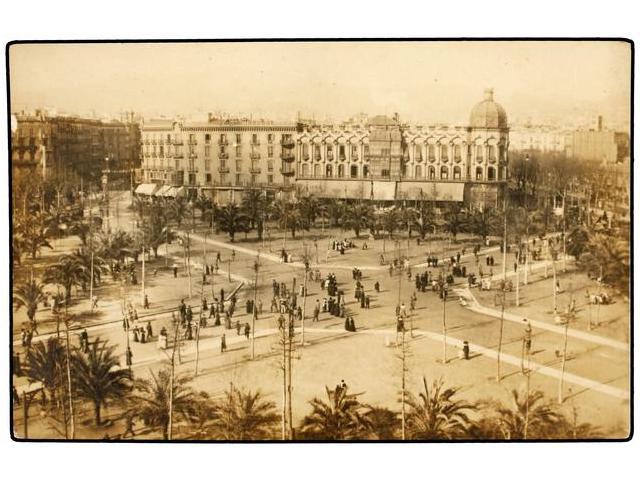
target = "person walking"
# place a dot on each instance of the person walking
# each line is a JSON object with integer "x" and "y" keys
{"x": 129, "y": 357}
{"x": 146, "y": 302}
{"x": 175, "y": 272}
{"x": 149, "y": 330}
{"x": 247, "y": 330}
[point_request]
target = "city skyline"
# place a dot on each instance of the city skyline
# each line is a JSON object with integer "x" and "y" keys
{"x": 531, "y": 81}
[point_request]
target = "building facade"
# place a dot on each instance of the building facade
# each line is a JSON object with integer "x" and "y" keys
{"x": 538, "y": 139}
{"x": 380, "y": 159}
{"x": 71, "y": 147}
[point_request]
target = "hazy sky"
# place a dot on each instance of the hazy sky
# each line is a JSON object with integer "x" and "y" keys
{"x": 433, "y": 81}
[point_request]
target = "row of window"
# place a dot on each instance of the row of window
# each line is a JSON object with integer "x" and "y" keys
{"x": 223, "y": 138}
{"x": 456, "y": 172}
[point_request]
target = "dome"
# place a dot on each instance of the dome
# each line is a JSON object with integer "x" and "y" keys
{"x": 382, "y": 121}
{"x": 488, "y": 114}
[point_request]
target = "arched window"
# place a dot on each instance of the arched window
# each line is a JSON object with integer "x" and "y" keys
{"x": 491, "y": 173}
{"x": 501, "y": 173}
{"x": 431, "y": 152}
{"x": 457, "y": 173}
{"x": 316, "y": 170}
{"x": 444, "y": 172}
{"x": 418, "y": 153}
{"x": 492, "y": 153}
{"x": 479, "y": 153}
{"x": 329, "y": 171}
{"x": 457, "y": 153}
{"x": 432, "y": 173}
{"x": 478, "y": 173}
{"x": 354, "y": 171}
{"x": 340, "y": 171}
{"x": 365, "y": 171}
{"x": 418, "y": 173}
{"x": 305, "y": 170}
{"x": 444, "y": 153}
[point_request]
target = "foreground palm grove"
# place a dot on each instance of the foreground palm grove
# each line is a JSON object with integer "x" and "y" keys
{"x": 44, "y": 211}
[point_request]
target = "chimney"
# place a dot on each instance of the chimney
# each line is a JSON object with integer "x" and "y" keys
{"x": 599, "y": 123}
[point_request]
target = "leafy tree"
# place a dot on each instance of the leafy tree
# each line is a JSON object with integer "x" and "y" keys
{"x": 426, "y": 219}
{"x": 609, "y": 258}
{"x": 152, "y": 399}
{"x": 29, "y": 295}
{"x": 334, "y": 211}
{"x": 341, "y": 417}
{"x": 391, "y": 221}
{"x": 243, "y": 415}
{"x": 408, "y": 217}
{"x": 436, "y": 415}
{"x": 34, "y": 234}
{"x": 231, "y": 220}
{"x": 177, "y": 210}
{"x": 288, "y": 216}
{"x": 82, "y": 230}
{"x": 309, "y": 209}
{"x": 577, "y": 241}
{"x": 67, "y": 272}
{"x": 98, "y": 378}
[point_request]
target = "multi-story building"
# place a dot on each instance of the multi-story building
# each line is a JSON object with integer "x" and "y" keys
{"x": 379, "y": 159}
{"x": 538, "y": 139}
{"x": 220, "y": 158}
{"x": 602, "y": 146}
{"x": 72, "y": 147}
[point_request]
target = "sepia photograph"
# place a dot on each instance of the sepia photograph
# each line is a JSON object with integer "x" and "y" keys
{"x": 320, "y": 240}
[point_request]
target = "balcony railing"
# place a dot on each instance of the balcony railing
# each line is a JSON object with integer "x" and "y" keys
{"x": 178, "y": 155}
{"x": 254, "y": 156}
{"x": 255, "y": 170}
{"x": 288, "y": 157}
{"x": 329, "y": 156}
{"x": 343, "y": 158}
{"x": 223, "y": 169}
{"x": 223, "y": 141}
{"x": 287, "y": 143}
{"x": 223, "y": 155}
{"x": 193, "y": 141}
{"x": 255, "y": 143}
{"x": 287, "y": 172}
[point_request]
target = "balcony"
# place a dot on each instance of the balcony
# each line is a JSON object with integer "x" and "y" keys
{"x": 288, "y": 157}
{"x": 193, "y": 155}
{"x": 317, "y": 157}
{"x": 354, "y": 156}
{"x": 255, "y": 170}
{"x": 178, "y": 155}
{"x": 287, "y": 143}
{"x": 223, "y": 155}
{"x": 255, "y": 143}
{"x": 306, "y": 156}
{"x": 223, "y": 169}
{"x": 329, "y": 156}
{"x": 192, "y": 169}
{"x": 343, "y": 158}
{"x": 193, "y": 141}
{"x": 223, "y": 141}
{"x": 254, "y": 156}
{"x": 287, "y": 172}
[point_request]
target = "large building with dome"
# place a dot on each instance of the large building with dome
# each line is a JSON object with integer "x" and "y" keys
{"x": 379, "y": 159}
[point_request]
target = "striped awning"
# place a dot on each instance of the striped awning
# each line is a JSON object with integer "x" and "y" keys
{"x": 146, "y": 189}
{"x": 162, "y": 191}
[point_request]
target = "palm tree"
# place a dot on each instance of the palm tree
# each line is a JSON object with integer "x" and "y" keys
{"x": 426, "y": 219}
{"x": 83, "y": 255}
{"x": 391, "y": 221}
{"x": 82, "y": 230}
{"x": 98, "y": 378}
{"x": 484, "y": 222}
{"x": 231, "y": 220}
{"x": 29, "y": 295}
{"x": 34, "y": 233}
{"x": 204, "y": 204}
{"x": 454, "y": 220}
{"x": 44, "y": 363}
{"x": 539, "y": 417}
{"x": 67, "y": 272}
{"x": 334, "y": 210}
{"x": 153, "y": 400}
{"x": 383, "y": 424}
{"x": 408, "y": 218}
{"x": 309, "y": 209}
{"x": 177, "y": 210}
{"x": 157, "y": 232}
{"x": 577, "y": 241}
{"x": 342, "y": 417}
{"x": 435, "y": 415}
{"x": 255, "y": 204}
{"x": 288, "y": 216}
{"x": 243, "y": 415}
{"x": 357, "y": 216}
{"x": 610, "y": 258}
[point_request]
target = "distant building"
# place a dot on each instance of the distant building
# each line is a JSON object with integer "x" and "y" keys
{"x": 72, "y": 147}
{"x": 377, "y": 159}
{"x": 537, "y": 139}
{"x": 602, "y": 146}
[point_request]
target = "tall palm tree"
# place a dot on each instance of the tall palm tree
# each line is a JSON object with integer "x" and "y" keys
{"x": 391, "y": 221}
{"x": 98, "y": 378}
{"x": 334, "y": 210}
{"x": 152, "y": 399}
{"x": 539, "y": 417}
{"x": 29, "y": 295}
{"x": 157, "y": 232}
{"x": 255, "y": 205}
{"x": 408, "y": 218}
{"x": 82, "y": 230}
{"x": 426, "y": 219}
{"x": 67, "y": 272}
{"x": 436, "y": 415}
{"x": 34, "y": 233}
{"x": 357, "y": 216}
{"x": 309, "y": 209}
{"x": 44, "y": 363}
{"x": 288, "y": 216}
{"x": 243, "y": 415}
{"x": 341, "y": 417}
{"x": 231, "y": 219}
{"x": 609, "y": 257}
{"x": 83, "y": 255}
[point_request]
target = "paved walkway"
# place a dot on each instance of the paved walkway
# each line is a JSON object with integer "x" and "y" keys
{"x": 475, "y": 306}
